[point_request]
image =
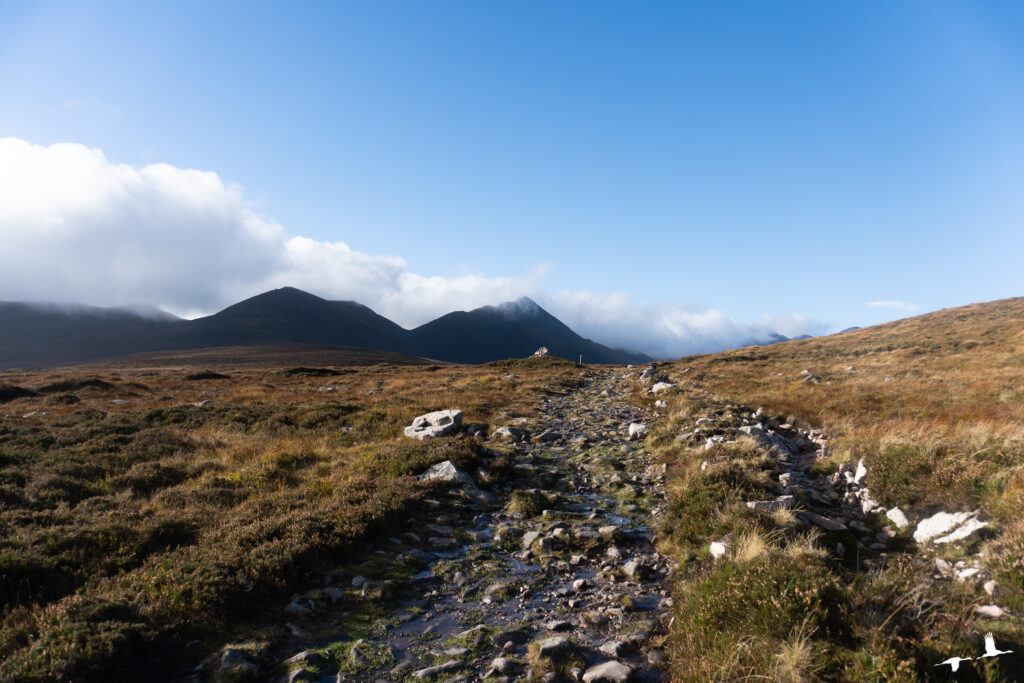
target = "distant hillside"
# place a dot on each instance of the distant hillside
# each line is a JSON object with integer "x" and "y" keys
{"x": 928, "y": 412}
{"x": 227, "y": 358}
{"x": 41, "y": 335}
{"x": 511, "y": 330}
{"x": 33, "y": 335}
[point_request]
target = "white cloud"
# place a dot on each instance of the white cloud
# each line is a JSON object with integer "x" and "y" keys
{"x": 76, "y": 227}
{"x": 667, "y": 330}
{"x": 898, "y": 305}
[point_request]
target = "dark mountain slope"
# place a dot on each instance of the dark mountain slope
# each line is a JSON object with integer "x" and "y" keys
{"x": 512, "y": 330}
{"x": 33, "y": 335}
{"x": 289, "y": 315}
{"x": 37, "y": 335}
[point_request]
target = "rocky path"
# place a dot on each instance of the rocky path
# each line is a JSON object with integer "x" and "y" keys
{"x": 551, "y": 576}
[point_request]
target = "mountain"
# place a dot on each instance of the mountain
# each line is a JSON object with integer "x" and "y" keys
{"x": 289, "y": 315}
{"x": 34, "y": 335}
{"x": 512, "y": 330}
{"x": 40, "y": 335}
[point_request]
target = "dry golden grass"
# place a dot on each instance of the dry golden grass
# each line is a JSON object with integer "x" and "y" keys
{"x": 935, "y": 407}
{"x": 132, "y": 527}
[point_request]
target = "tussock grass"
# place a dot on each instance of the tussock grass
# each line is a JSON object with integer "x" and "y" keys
{"x": 935, "y": 407}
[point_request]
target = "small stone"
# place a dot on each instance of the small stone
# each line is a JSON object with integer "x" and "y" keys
{"x": 616, "y": 648}
{"x": 608, "y": 672}
{"x": 989, "y": 611}
{"x": 528, "y": 539}
{"x": 404, "y": 666}
{"x": 432, "y": 671}
{"x": 897, "y": 517}
{"x": 306, "y": 657}
{"x": 358, "y": 581}
{"x": 231, "y": 658}
{"x": 717, "y": 549}
{"x": 967, "y": 573}
{"x": 635, "y": 569}
{"x": 553, "y": 648}
{"x": 824, "y": 522}
{"x": 990, "y": 586}
{"x": 559, "y": 625}
{"x": 503, "y": 665}
{"x": 300, "y": 604}
{"x": 637, "y": 431}
{"x": 447, "y": 472}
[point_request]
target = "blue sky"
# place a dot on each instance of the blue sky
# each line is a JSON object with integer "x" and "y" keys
{"x": 731, "y": 161}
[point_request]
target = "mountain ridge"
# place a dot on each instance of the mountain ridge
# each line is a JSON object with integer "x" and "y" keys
{"x": 49, "y": 334}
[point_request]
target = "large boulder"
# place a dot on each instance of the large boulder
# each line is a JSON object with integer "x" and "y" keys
{"x": 438, "y": 423}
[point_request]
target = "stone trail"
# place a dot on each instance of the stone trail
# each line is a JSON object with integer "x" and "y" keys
{"x": 553, "y": 576}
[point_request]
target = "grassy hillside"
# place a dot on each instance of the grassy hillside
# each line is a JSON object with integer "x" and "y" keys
{"x": 154, "y": 507}
{"x": 934, "y": 405}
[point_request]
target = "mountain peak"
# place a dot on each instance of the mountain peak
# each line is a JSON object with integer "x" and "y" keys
{"x": 524, "y": 306}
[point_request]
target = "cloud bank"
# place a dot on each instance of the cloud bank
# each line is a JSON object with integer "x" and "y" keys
{"x": 78, "y": 227}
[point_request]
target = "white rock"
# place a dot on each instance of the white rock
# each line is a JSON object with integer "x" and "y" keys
{"x": 990, "y": 586}
{"x": 637, "y": 431}
{"x": 662, "y": 386}
{"x": 717, "y": 549}
{"x": 990, "y": 611}
{"x": 660, "y": 404}
{"x": 968, "y": 528}
{"x": 438, "y": 423}
{"x": 897, "y": 517}
{"x": 965, "y": 574}
{"x": 939, "y": 526}
{"x": 447, "y": 472}
{"x": 542, "y": 352}
{"x": 780, "y": 503}
{"x": 509, "y": 433}
{"x": 867, "y": 503}
{"x": 861, "y": 472}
